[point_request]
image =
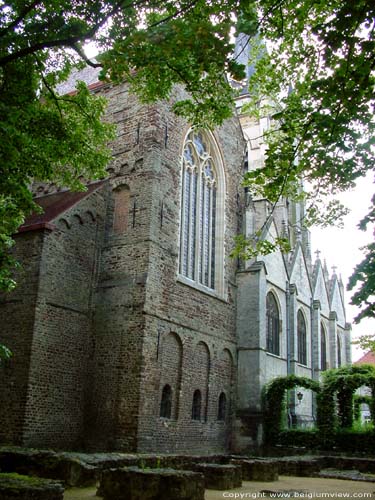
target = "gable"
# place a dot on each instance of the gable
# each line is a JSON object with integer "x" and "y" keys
{"x": 320, "y": 292}
{"x": 337, "y": 304}
{"x": 299, "y": 276}
{"x": 275, "y": 263}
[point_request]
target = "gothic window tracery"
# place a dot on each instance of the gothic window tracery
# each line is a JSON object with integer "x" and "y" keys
{"x": 199, "y": 246}
{"x": 273, "y": 325}
{"x": 301, "y": 338}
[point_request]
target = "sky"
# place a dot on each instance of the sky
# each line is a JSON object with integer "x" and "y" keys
{"x": 341, "y": 248}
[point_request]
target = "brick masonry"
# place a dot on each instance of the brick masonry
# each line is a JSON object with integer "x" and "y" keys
{"x": 101, "y": 320}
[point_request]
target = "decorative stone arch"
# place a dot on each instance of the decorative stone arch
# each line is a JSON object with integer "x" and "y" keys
{"x": 337, "y": 392}
{"x": 224, "y": 379}
{"x": 227, "y": 357}
{"x": 121, "y": 203}
{"x": 78, "y": 218}
{"x": 63, "y": 223}
{"x": 200, "y": 371}
{"x": 171, "y": 371}
{"x": 273, "y": 399}
{"x": 90, "y": 216}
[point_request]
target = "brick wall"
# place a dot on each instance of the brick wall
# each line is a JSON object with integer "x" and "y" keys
{"x": 17, "y": 312}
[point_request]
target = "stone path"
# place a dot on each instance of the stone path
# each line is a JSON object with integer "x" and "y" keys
{"x": 286, "y": 487}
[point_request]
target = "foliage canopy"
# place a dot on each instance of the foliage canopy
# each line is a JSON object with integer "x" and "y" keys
{"x": 324, "y": 51}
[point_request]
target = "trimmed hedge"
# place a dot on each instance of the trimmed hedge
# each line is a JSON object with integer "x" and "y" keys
{"x": 335, "y": 397}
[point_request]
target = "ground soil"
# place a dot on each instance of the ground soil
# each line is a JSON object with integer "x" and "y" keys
{"x": 286, "y": 487}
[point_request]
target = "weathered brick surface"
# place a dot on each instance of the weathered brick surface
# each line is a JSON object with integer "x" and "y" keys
{"x": 108, "y": 321}
{"x": 102, "y": 321}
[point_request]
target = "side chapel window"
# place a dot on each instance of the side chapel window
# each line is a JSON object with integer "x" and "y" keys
{"x": 273, "y": 325}
{"x": 301, "y": 338}
{"x": 199, "y": 238}
{"x": 323, "y": 348}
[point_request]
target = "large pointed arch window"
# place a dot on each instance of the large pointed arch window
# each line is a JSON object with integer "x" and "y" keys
{"x": 273, "y": 325}
{"x": 301, "y": 338}
{"x": 201, "y": 238}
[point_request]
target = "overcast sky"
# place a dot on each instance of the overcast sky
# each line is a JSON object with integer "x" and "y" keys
{"x": 341, "y": 248}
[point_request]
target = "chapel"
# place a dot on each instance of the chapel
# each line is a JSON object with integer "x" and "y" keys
{"x": 132, "y": 328}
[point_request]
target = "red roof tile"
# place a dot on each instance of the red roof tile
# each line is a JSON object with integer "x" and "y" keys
{"x": 368, "y": 359}
{"x": 53, "y": 205}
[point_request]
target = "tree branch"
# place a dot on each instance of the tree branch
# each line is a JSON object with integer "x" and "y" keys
{"x": 19, "y": 18}
{"x": 69, "y": 41}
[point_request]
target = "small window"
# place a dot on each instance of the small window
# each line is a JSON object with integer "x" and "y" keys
{"x": 222, "y": 408}
{"x": 197, "y": 404}
{"x": 166, "y": 402}
{"x": 301, "y": 336}
{"x": 273, "y": 325}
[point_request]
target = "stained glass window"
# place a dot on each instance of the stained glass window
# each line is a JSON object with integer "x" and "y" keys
{"x": 198, "y": 244}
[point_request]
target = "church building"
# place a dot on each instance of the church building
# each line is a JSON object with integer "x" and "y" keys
{"x": 132, "y": 328}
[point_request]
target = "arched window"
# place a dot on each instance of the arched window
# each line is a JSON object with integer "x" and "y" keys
{"x": 166, "y": 402}
{"x": 339, "y": 360}
{"x": 196, "y": 406}
{"x": 273, "y": 325}
{"x": 202, "y": 204}
{"x": 222, "y": 407}
{"x": 323, "y": 348}
{"x": 301, "y": 338}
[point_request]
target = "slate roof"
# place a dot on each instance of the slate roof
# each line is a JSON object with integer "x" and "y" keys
{"x": 88, "y": 74}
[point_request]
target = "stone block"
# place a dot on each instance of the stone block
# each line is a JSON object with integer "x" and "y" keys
{"x": 220, "y": 477}
{"x": 299, "y": 467}
{"x": 132, "y": 483}
{"x": 18, "y": 487}
{"x": 257, "y": 470}
{"x": 48, "y": 464}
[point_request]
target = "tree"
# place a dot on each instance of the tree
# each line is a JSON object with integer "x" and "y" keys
{"x": 324, "y": 51}
{"x": 48, "y": 137}
{"x": 320, "y": 70}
